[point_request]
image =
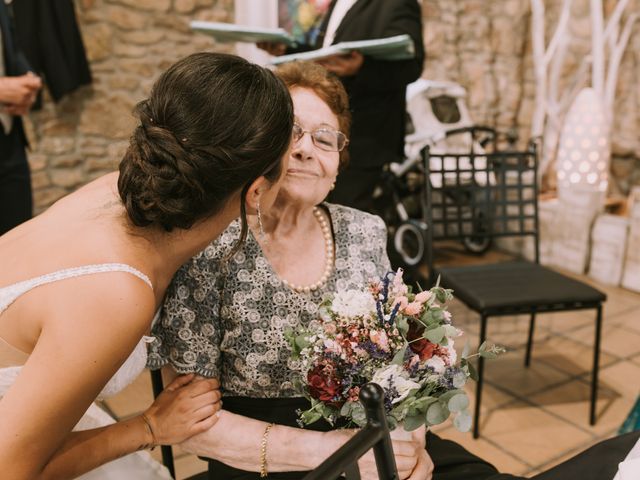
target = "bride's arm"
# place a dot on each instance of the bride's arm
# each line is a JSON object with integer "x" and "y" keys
{"x": 80, "y": 346}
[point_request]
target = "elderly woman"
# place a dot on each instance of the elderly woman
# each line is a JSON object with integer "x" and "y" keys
{"x": 230, "y": 325}
{"x": 225, "y": 317}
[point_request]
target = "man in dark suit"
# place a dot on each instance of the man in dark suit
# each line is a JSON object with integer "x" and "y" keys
{"x": 376, "y": 88}
{"x": 18, "y": 89}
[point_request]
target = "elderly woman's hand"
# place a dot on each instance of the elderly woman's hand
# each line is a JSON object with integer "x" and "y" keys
{"x": 407, "y": 455}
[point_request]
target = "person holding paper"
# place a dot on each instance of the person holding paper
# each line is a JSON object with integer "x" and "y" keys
{"x": 18, "y": 89}
{"x": 376, "y": 88}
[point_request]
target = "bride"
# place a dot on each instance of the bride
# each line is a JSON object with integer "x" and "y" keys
{"x": 81, "y": 283}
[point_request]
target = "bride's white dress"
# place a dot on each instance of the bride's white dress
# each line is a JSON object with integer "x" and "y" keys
{"x": 139, "y": 465}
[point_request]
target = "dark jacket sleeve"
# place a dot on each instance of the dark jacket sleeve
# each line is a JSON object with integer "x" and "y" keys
{"x": 380, "y": 75}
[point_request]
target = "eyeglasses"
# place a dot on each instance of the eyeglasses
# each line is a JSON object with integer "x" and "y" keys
{"x": 325, "y": 139}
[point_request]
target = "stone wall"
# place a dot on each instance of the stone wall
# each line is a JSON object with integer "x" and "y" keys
{"x": 128, "y": 42}
{"x": 482, "y": 44}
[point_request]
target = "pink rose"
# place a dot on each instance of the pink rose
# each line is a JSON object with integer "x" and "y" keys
{"x": 414, "y": 308}
{"x": 423, "y": 296}
{"x": 402, "y": 301}
{"x": 380, "y": 338}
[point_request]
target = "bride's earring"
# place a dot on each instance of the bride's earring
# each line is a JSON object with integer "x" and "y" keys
{"x": 260, "y": 227}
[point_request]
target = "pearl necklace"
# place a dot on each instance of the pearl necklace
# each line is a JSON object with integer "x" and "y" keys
{"x": 328, "y": 247}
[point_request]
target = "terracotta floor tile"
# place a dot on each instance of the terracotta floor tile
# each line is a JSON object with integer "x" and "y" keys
{"x": 508, "y": 373}
{"x": 617, "y": 341}
{"x": 565, "y": 321}
{"x": 525, "y": 432}
{"x": 622, "y": 378}
{"x": 571, "y": 402}
{"x": 629, "y": 320}
{"x": 504, "y": 461}
{"x": 567, "y": 355}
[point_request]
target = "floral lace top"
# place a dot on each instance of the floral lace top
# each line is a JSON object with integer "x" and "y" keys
{"x": 227, "y": 319}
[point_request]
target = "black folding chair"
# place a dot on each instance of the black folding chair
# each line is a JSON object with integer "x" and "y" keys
{"x": 343, "y": 463}
{"x": 499, "y": 199}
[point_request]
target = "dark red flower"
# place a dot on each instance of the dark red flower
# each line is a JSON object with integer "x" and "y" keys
{"x": 323, "y": 385}
{"x": 420, "y": 346}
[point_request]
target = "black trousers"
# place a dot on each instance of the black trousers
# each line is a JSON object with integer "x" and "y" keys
{"x": 16, "y": 202}
{"x": 600, "y": 462}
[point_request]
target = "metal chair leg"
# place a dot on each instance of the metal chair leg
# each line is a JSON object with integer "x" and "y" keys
{"x": 476, "y": 415}
{"x": 596, "y": 366}
{"x": 167, "y": 452}
{"x": 532, "y": 324}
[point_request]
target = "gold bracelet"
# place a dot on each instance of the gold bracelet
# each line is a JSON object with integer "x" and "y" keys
{"x": 263, "y": 452}
{"x": 146, "y": 421}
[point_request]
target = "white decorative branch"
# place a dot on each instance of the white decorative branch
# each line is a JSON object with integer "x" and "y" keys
{"x": 614, "y": 65}
{"x": 597, "y": 47}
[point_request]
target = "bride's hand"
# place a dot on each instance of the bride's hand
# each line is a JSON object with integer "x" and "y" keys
{"x": 186, "y": 407}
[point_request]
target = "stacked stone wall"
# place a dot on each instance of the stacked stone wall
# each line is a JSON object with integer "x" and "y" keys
{"x": 482, "y": 44}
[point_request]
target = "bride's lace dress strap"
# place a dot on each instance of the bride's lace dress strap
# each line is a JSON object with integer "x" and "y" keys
{"x": 11, "y": 293}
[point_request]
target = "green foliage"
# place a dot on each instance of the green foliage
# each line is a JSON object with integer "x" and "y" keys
{"x": 458, "y": 403}
{"x": 462, "y": 421}
{"x": 434, "y": 335}
{"x": 437, "y": 413}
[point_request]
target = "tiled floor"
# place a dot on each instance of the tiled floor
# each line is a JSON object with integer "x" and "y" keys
{"x": 532, "y": 418}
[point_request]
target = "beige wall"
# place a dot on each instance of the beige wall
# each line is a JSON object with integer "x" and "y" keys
{"x": 482, "y": 44}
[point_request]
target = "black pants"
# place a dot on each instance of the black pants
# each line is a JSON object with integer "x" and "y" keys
{"x": 600, "y": 462}
{"x": 16, "y": 203}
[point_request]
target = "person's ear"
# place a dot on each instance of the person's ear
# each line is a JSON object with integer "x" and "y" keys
{"x": 257, "y": 188}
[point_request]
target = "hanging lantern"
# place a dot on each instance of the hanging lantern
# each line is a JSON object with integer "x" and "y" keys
{"x": 584, "y": 150}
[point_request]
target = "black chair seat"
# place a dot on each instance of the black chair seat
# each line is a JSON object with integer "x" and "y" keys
{"x": 517, "y": 285}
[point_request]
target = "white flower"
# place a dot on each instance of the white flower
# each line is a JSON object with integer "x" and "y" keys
{"x": 353, "y": 303}
{"x": 394, "y": 376}
{"x": 452, "y": 354}
{"x": 437, "y": 364}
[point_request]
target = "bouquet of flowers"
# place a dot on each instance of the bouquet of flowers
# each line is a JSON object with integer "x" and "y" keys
{"x": 390, "y": 336}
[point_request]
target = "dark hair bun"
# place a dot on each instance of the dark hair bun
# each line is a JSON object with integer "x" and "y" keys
{"x": 212, "y": 124}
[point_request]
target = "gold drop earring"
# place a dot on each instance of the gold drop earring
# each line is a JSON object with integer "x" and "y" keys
{"x": 260, "y": 227}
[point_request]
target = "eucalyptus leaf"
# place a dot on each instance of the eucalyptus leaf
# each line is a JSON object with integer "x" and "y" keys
{"x": 458, "y": 403}
{"x": 345, "y": 411}
{"x": 462, "y": 421}
{"x": 488, "y": 354}
{"x": 302, "y": 342}
{"x": 450, "y": 330}
{"x": 402, "y": 324}
{"x": 435, "y": 335}
{"x": 398, "y": 358}
{"x": 459, "y": 380}
{"x": 473, "y": 374}
{"x": 310, "y": 416}
{"x": 422, "y": 404}
{"x": 437, "y": 413}
{"x": 412, "y": 422}
{"x": 358, "y": 414}
{"x": 466, "y": 349}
